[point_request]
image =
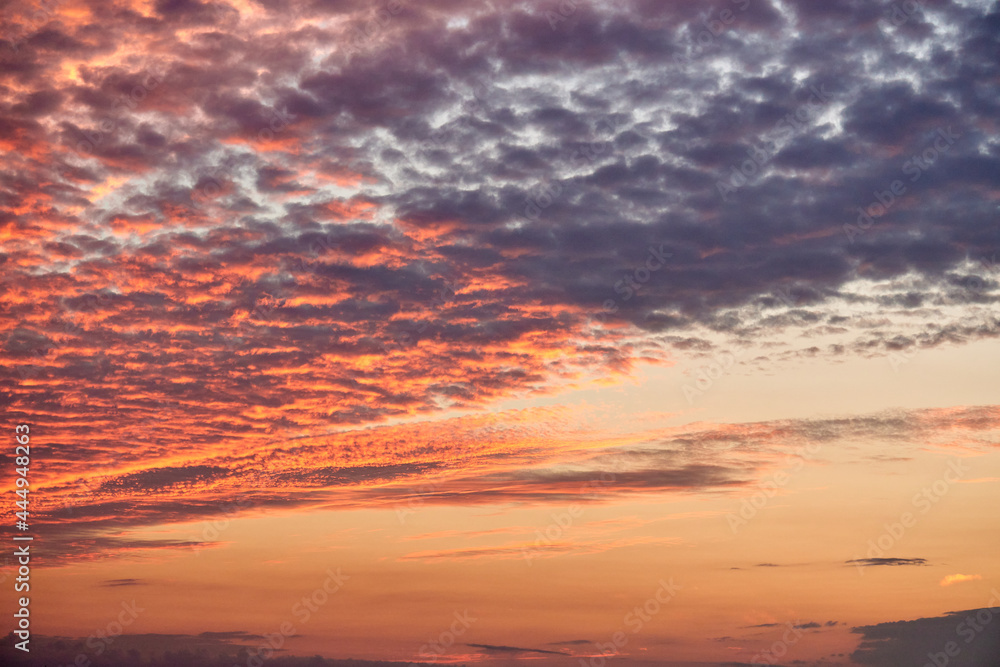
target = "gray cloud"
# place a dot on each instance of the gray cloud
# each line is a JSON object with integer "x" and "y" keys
{"x": 888, "y": 562}
{"x": 959, "y": 639}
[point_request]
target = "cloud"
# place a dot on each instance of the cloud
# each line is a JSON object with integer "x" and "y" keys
{"x": 237, "y": 634}
{"x": 206, "y": 649}
{"x": 514, "y": 649}
{"x": 408, "y": 224}
{"x": 811, "y": 625}
{"x": 159, "y": 478}
{"x": 503, "y": 552}
{"x": 530, "y": 550}
{"x": 891, "y": 562}
{"x": 976, "y": 639}
{"x": 123, "y": 582}
{"x": 959, "y": 579}
{"x": 101, "y": 492}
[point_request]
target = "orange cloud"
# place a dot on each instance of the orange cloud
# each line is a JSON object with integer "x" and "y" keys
{"x": 959, "y": 579}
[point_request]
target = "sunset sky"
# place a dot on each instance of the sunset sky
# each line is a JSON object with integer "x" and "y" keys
{"x": 558, "y": 332}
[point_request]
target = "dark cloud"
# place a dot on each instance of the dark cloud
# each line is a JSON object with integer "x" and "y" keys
{"x": 959, "y": 639}
{"x": 890, "y": 562}
{"x": 123, "y": 582}
{"x": 347, "y": 191}
{"x": 160, "y": 478}
{"x": 208, "y": 649}
{"x": 234, "y": 635}
{"x": 514, "y": 649}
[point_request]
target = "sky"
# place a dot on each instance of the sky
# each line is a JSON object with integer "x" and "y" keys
{"x": 578, "y": 332}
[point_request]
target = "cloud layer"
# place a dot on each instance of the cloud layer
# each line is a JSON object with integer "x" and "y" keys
{"x": 338, "y": 213}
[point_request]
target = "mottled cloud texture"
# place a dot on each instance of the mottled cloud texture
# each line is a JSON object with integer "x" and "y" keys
{"x": 226, "y": 226}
